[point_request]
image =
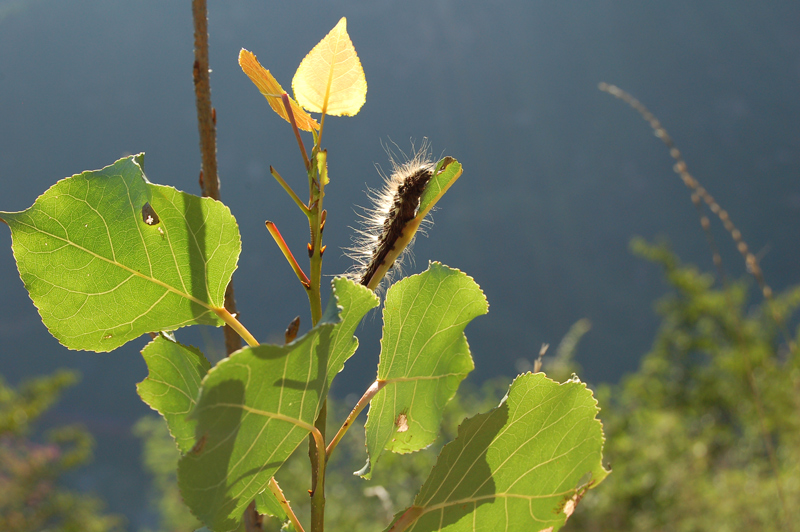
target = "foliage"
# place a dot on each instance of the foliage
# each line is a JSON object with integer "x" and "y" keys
{"x": 30, "y": 497}
{"x": 107, "y": 256}
{"x": 160, "y": 457}
{"x": 392, "y": 487}
{"x": 685, "y": 432}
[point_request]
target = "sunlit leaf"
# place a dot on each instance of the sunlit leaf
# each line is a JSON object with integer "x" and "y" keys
{"x": 107, "y": 256}
{"x": 171, "y": 388}
{"x": 267, "y": 504}
{"x": 330, "y": 79}
{"x": 272, "y": 91}
{"x": 424, "y": 357}
{"x": 353, "y": 301}
{"x": 522, "y": 466}
{"x": 257, "y": 405}
{"x": 254, "y": 409}
{"x": 448, "y": 170}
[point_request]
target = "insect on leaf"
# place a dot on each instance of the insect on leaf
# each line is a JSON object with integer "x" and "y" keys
{"x": 330, "y": 79}
{"x": 272, "y": 91}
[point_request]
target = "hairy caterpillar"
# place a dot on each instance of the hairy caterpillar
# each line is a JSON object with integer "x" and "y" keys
{"x": 386, "y": 233}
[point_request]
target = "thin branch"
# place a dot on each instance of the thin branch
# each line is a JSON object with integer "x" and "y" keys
{"x": 276, "y": 235}
{"x": 207, "y": 127}
{"x": 202, "y": 92}
{"x": 209, "y": 179}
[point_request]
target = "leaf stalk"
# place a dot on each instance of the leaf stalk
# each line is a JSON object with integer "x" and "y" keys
{"x": 289, "y": 191}
{"x": 374, "y": 388}
{"x": 287, "y": 105}
{"x": 276, "y": 235}
{"x": 236, "y": 325}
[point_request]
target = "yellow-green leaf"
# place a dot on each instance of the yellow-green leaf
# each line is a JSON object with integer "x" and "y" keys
{"x": 330, "y": 79}
{"x": 522, "y": 466}
{"x": 272, "y": 91}
{"x": 107, "y": 256}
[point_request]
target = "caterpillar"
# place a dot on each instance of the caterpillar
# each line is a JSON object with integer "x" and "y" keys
{"x": 386, "y": 234}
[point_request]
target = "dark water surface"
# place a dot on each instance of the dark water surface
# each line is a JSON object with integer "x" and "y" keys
{"x": 558, "y": 176}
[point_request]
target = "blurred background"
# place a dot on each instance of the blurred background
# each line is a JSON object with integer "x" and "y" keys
{"x": 558, "y": 176}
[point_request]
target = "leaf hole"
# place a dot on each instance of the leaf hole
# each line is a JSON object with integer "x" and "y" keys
{"x": 149, "y": 215}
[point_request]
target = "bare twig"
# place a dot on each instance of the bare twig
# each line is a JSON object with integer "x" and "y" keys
{"x": 207, "y": 126}
{"x": 206, "y": 123}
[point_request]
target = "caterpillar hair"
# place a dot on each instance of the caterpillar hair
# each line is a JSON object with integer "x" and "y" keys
{"x": 386, "y": 232}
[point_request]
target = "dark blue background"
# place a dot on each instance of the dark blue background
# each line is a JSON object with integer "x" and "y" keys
{"x": 558, "y": 176}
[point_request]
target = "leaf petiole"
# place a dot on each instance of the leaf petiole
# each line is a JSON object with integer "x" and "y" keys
{"x": 289, "y": 191}
{"x": 288, "y": 106}
{"x": 236, "y": 325}
{"x": 276, "y": 235}
{"x": 374, "y": 388}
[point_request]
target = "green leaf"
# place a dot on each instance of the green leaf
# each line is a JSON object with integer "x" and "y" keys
{"x": 424, "y": 357}
{"x": 448, "y": 170}
{"x": 351, "y": 301}
{"x": 171, "y": 388}
{"x": 522, "y": 466}
{"x": 267, "y": 504}
{"x": 255, "y": 407}
{"x": 107, "y": 256}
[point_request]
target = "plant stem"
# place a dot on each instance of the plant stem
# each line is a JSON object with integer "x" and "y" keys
{"x": 317, "y": 193}
{"x": 287, "y": 105}
{"x": 278, "y": 493}
{"x": 374, "y": 388}
{"x": 207, "y": 127}
{"x": 317, "y": 169}
{"x": 209, "y": 179}
{"x": 318, "y": 457}
{"x": 276, "y": 235}
{"x": 202, "y": 91}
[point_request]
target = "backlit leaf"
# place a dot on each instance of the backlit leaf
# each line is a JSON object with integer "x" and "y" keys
{"x": 267, "y": 504}
{"x": 448, "y": 170}
{"x": 424, "y": 357}
{"x": 272, "y": 91}
{"x": 353, "y": 302}
{"x": 107, "y": 256}
{"x": 258, "y": 405}
{"x": 172, "y": 385}
{"x": 522, "y": 466}
{"x": 330, "y": 79}
{"x": 255, "y": 408}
